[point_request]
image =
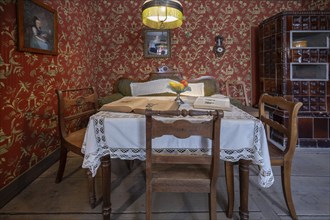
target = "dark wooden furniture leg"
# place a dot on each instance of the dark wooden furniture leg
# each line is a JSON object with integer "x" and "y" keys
{"x": 229, "y": 169}
{"x": 91, "y": 187}
{"x": 106, "y": 186}
{"x": 244, "y": 189}
{"x": 63, "y": 158}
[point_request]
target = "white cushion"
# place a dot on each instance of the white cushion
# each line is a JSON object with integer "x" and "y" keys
{"x": 151, "y": 87}
{"x": 162, "y": 86}
{"x": 197, "y": 89}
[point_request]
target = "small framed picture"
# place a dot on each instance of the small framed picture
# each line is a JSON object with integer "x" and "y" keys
{"x": 37, "y": 27}
{"x": 157, "y": 43}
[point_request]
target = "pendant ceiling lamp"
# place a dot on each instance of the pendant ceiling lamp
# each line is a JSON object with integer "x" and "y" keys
{"x": 162, "y": 14}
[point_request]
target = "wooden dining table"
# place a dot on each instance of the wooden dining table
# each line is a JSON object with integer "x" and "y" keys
{"x": 122, "y": 135}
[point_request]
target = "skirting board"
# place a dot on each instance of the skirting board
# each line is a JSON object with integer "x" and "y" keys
{"x": 15, "y": 187}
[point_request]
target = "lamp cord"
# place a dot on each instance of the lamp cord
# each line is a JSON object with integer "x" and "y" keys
{"x": 162, "y": 25}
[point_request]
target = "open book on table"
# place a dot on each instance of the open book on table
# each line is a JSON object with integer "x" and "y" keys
{"x": 140, "y": 104}
{"x": 218, "y": 102}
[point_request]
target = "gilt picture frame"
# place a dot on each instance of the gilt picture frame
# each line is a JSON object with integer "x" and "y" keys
{"x": 157, "y": 43}
{"x": 37, "y": 27}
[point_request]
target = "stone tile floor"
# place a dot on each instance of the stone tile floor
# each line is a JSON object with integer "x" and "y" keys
{"x": 44, "y": 199}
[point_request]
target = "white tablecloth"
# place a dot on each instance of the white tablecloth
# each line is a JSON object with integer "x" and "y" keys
{"x": 122, "y": 135}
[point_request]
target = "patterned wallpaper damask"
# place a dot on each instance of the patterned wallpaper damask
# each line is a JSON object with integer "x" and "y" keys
{"x": 28, "y": 104}
{"x": 122, "y": 51}
{"x": 101, "y": 41}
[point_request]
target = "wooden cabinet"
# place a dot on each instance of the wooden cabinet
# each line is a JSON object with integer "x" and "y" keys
{"x": 294, "y": 59}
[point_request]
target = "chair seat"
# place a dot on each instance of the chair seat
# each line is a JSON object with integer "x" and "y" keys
{"x": 177, "y": 173}
{"x": 251, "y": 110}
{"x": 276, "y": 154}
{"x": 75, "y": 106}
{"x": 76, "y": 139}
{"x": 281, "y": 154}
{"x": 181, "y": 178}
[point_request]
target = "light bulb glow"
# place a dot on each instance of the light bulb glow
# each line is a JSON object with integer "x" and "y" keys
{"x": 158, "y": 16}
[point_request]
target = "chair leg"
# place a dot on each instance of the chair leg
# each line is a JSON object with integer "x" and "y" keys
{"x": 130, "y": 164}
{"x": 60, "y": 171}
{"x": 91, "y": 189}
{"x": 148, "y": 203}
{"x": 213, "y": 204}
{"x": 229, "y": 172}
{"x": 148, "y": 193}
{"x": 286, "y": 187}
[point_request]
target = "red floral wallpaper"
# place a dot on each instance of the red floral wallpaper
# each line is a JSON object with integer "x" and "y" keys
{"x": 100, "y": 41}
{"x": 28, "y": 126}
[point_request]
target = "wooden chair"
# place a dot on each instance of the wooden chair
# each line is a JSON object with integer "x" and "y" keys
{"x": 288, "y": 129}
{"x": 236, "y": 89}
{"x": 75, "y": 106}
{"x": 177, "y": 172}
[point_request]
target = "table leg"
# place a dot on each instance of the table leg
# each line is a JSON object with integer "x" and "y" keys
{"x": 91, "y": 189}
{"x": 106, "y": 186}
{"x": 244, "y": 189}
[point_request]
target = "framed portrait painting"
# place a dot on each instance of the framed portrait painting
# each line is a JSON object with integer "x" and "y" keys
{"x": 37, "y": 27}
{"x": 157, "y": 43}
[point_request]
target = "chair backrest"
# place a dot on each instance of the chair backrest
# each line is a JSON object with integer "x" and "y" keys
{"x": 75, "y": 106}
{"x": 236, "y": 89}
{"x": 184, "y": 127}
{"x": 288, "y": 128}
